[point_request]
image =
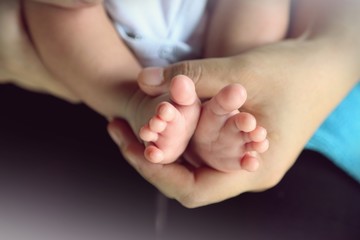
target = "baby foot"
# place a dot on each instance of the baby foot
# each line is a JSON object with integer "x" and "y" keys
{"x": 227, "y": 139}
{"x": 168, "y": 132}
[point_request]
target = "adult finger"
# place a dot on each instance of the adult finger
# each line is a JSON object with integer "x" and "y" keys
{"x": 192, "y": 187}
{"x": 209, "y": 76}
{"x": 164, "y": 177}
{"x": 70, "y": 3}
{"x": 260, "y": 22}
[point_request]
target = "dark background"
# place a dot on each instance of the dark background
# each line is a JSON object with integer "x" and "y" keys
{"x": 61, "y": 177}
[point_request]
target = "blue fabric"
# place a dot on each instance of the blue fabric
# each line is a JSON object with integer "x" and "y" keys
{"x": 338, "y": 138}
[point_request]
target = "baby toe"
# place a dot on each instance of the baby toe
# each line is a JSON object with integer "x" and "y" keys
{"x": 245, "y": 122}
{"x": 259, "y": 147}
{"x": 147, "y": 135}
{"x": 230, "y": 98}
{"x": 153, "y": 154}
{"x": 259, "y": 134}
{"x": 250, "y": 163}
{"x": 182, "y": 91}
{"x": 157, "y": 125}
{"x": 166, "y": 111}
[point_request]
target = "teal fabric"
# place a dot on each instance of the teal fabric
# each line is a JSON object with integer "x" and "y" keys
{"x": 338, "y": 138}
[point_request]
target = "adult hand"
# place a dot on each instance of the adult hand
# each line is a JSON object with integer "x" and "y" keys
{"x": 192, "y": 187}
{"x": 292, "y": 86}
{"x": 274, "y": 108}
{"x": 290, "y": 102}
{"x": 19, "y": 62}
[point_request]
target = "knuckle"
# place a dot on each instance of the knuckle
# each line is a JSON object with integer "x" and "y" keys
{"x": 187, "y": 68}
{"x": 194, "y": 199}
{"x": 189, "y": 202}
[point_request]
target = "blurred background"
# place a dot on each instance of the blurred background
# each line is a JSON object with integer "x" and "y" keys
{"x": 61, "y": 177}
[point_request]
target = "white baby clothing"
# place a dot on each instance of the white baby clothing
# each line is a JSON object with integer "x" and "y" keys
{"x": 160, "y": 32}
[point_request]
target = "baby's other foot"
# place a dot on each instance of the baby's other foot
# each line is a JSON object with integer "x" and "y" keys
{"x": 226, "y": 139}
{"x": 168, "y": 132}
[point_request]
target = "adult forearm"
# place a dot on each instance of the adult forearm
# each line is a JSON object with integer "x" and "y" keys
{"x": 332, "y": 25}
{"x": 82, "y": 49}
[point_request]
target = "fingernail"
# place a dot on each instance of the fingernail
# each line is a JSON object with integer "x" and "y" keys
{"x": 152, "y": 76}
{"x": 115, "y": 136}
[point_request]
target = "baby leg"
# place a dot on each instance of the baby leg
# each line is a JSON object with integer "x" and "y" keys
{"x": 227, "y": 139}
{"x": 237, "y": 26}
{"x": 168, "y": 132}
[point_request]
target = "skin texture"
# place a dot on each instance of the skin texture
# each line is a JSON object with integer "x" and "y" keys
{"x": 252, "y": 24}
{"x": 169, "y": 130}
{"x": 92, "y": 65}
{"x": 288, "y": 84}
{"x": 292, "y": 86}
{"x": 19, "y": 62}
{"x": 226, "y": 139}
{"x": 100, "y": 78}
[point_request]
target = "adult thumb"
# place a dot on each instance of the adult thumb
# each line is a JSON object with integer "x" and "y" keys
{"x": 209, "y": 75}
{"x": 70, "y": 3}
